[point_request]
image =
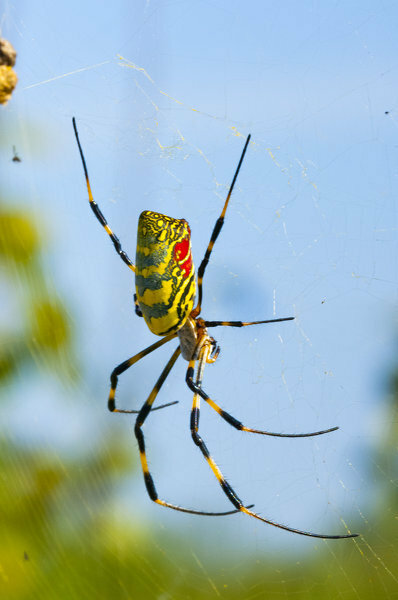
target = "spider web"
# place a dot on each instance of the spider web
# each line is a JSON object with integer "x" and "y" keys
{"x": 164, "y": 95}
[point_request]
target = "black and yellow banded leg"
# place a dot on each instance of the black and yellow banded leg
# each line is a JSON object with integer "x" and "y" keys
{"x": 96, "y": 209}
{"x": 215, "y": 234}
{"x": 126, "y": 365}
{"x": 225, "y": 486}
{"x": 195, "y": 414}
{"x": 197, "y": 389}
{"x": 142, "y": 415}
{"x": 244, "y": 323}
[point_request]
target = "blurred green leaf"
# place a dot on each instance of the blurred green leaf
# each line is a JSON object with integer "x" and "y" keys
{"x": 18, "y": 237}
{"x": 50, "y": 329}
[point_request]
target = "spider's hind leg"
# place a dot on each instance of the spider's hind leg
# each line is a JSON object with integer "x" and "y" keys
{"x": 142, "y": 415}
{"x": 225, "y": 486}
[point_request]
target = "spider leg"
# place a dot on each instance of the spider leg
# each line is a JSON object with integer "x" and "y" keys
{"x": 126, "y": 365}
{"x": 225, "y": 486}
{"x": 96, "y": 210}
{"x": 214, "y": 235}
{"x": 142, "y": 415}
{"x": 244, "y": 323}
{"x": 197, "y": 389}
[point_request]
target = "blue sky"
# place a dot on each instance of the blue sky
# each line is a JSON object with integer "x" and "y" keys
{"x": 311, "y": 230}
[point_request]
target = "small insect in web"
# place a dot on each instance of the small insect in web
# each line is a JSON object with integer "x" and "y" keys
{"x": 165, "y": 297}
{"x": 15, "y": 157}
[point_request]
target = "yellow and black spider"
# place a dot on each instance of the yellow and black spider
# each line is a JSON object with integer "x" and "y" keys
{"x": 165, "y": 295}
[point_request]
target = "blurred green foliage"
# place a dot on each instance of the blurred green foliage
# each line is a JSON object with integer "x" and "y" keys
{"x": 61, "y": 539}
{"x": 40, "y": 330}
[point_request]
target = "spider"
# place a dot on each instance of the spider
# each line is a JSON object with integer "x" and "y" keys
{"x": 165, "y": 297}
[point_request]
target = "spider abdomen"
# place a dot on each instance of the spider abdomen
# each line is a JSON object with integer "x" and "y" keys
{"x": 165, "y": 274}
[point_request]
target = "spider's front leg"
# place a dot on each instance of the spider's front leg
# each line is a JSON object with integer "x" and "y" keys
{"x": 96, "y": 209}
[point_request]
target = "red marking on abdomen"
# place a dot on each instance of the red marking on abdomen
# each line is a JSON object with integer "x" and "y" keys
{"x": 183, "y": 256}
